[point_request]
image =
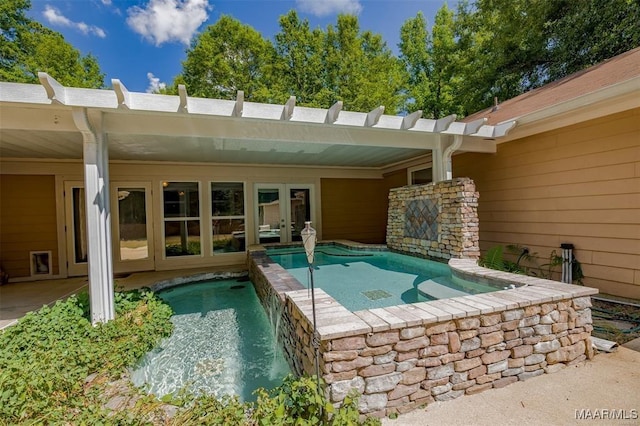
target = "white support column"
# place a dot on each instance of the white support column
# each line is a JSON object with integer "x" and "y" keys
{"x": 438, "y": 168}
{"x": 96, "y": 184}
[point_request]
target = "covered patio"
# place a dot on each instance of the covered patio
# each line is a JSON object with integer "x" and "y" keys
{"x": 48, "y": 128}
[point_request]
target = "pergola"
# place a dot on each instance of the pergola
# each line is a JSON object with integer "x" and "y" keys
{"x": 56, "y": 122}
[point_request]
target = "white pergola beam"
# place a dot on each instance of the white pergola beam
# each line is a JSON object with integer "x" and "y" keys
{"x": 98, "y": 213}
{"x": 333, "y": 113}
{"x": 239, "y": 105}
{"x": 287, "y": 109}
{"x": 409, "y": 121}
{"x": 443, "y": 123}
{"x": 374, "y": 116}
{"x": 56, "y": 92}
{"x": 122, "y": 94}
{"x": 184, "y": 99}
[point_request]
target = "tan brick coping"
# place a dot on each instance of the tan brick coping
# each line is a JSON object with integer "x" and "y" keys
{"x": 335, "y": 321}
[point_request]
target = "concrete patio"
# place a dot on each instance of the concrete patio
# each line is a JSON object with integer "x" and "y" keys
{"x": 609, "y": 382}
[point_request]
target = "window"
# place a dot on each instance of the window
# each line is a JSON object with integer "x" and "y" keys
{"x": 227, "y": 217}
{"x": 420, "y": 175}
{"x": 181, "y": 218}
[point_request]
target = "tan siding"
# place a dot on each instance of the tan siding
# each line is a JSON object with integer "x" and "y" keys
{"x": 578, "y": 185}
{"x": 395, "y": 179}
{"x": 27, "y": 221}
{"x": 351, "y": 209}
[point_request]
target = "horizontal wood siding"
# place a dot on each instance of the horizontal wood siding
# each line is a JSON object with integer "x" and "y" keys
{"x": 578, "y": 185}
{"x": 27, "y": 222}
{"x": 354, "y": 209}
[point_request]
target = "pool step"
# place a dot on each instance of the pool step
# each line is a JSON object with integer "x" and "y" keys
{"x": 440, "y": 288}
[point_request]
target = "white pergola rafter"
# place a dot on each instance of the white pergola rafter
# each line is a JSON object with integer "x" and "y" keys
{"x": 94, "y": 98}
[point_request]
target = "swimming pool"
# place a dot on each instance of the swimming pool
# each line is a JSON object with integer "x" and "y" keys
{"x": 376, "y": 279}
{"x": 222, "y": 343}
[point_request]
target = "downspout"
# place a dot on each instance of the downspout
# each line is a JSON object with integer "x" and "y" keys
{"x": 442, "y": 168}
{"x": 446, "y": 156}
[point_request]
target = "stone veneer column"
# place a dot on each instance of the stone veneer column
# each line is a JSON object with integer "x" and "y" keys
{"x": 456, "y": 203}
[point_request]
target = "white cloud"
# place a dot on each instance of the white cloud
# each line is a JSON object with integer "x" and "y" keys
{"x": 54, "y": 16}
{"x": 328, "y": 7}
{"x": 163, "y": 21}
{"x": 155, "y": 85}
{"x": 106, "y": 2}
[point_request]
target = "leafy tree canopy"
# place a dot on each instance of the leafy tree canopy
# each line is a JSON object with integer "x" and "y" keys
{"x": 27, "y": 47}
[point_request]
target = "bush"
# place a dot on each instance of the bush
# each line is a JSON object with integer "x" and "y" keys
{"x": 296, "y": 402}
{"x": 46, "y": 357}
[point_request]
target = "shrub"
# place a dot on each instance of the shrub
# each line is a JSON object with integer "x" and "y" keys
{"x": 45, "y": 358}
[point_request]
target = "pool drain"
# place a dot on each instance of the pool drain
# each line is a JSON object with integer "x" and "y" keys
{"x": 376, "y": 294}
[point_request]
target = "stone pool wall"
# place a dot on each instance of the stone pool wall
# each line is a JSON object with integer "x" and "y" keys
{"x": 405, "y": 356}
{"x": 437, "y": 220}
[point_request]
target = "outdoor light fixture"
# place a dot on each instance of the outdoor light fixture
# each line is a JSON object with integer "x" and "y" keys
{"x": 308, "y": 235}
{"x": 567, "y": 262}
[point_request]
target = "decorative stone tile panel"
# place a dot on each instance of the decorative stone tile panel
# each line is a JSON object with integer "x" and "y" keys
{"x": 421, "y": 219}
{"x": 437, "y": 220}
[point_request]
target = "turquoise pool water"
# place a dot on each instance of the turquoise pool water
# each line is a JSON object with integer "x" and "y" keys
{"x": 365, "y": 280}
{"x": 222, "y": 343}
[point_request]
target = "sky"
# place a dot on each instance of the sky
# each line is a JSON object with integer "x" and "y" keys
{"x": 143, "y": 42}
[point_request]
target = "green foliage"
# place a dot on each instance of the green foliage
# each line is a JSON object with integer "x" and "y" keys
{"x": 527, "y": 263}
{"x": 27, "y": 47}
{"x": 318, "y": 67}
{"x": 56, "y": 368}
{"x": 45, "y": 358}
{"x": 432, "y": 64}
{"x": 296, "y": 402}
{"x": 192, "y": 248}
{"x": 226, "y": 57}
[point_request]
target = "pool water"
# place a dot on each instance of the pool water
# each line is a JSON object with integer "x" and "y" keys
{"x": 222, "y": 343}
{"x": 377, "y": 279}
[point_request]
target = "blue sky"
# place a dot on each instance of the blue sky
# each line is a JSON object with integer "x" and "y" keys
{"x": 143, "y": 42}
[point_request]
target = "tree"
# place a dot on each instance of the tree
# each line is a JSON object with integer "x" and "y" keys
{"x": 584, "y": 33}
{"x": 362, "y": 71}
{"x": 508, "y": 47}
{"x": 300, "y": 61}
{"x": 339, "y": 64}
{"x": 502, "y": 44}
{"x": 228, "y": 56}
{"x": 415, "y": 55}
{"x": 27, "y": 47}
{"x": 432, "y": 65}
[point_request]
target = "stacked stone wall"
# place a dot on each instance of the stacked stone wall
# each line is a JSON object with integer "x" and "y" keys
{"x": 271, "y": 282}
{"x": 402, "y": 357}
{"x": 455, "y": 219}
{"x": 397, "y": 370}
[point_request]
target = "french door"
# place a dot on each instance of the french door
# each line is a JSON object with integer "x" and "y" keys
{"x": 76, "y": 227}
{"x": 131, "y": 227}
{"x": 281, "y": 211}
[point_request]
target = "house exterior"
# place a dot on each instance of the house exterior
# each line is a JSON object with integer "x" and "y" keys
{"x": 569, "y": 172}
{"x": 97, "y": 182}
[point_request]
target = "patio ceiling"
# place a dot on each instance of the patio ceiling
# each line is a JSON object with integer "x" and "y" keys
{"x": 36, "y": 121}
